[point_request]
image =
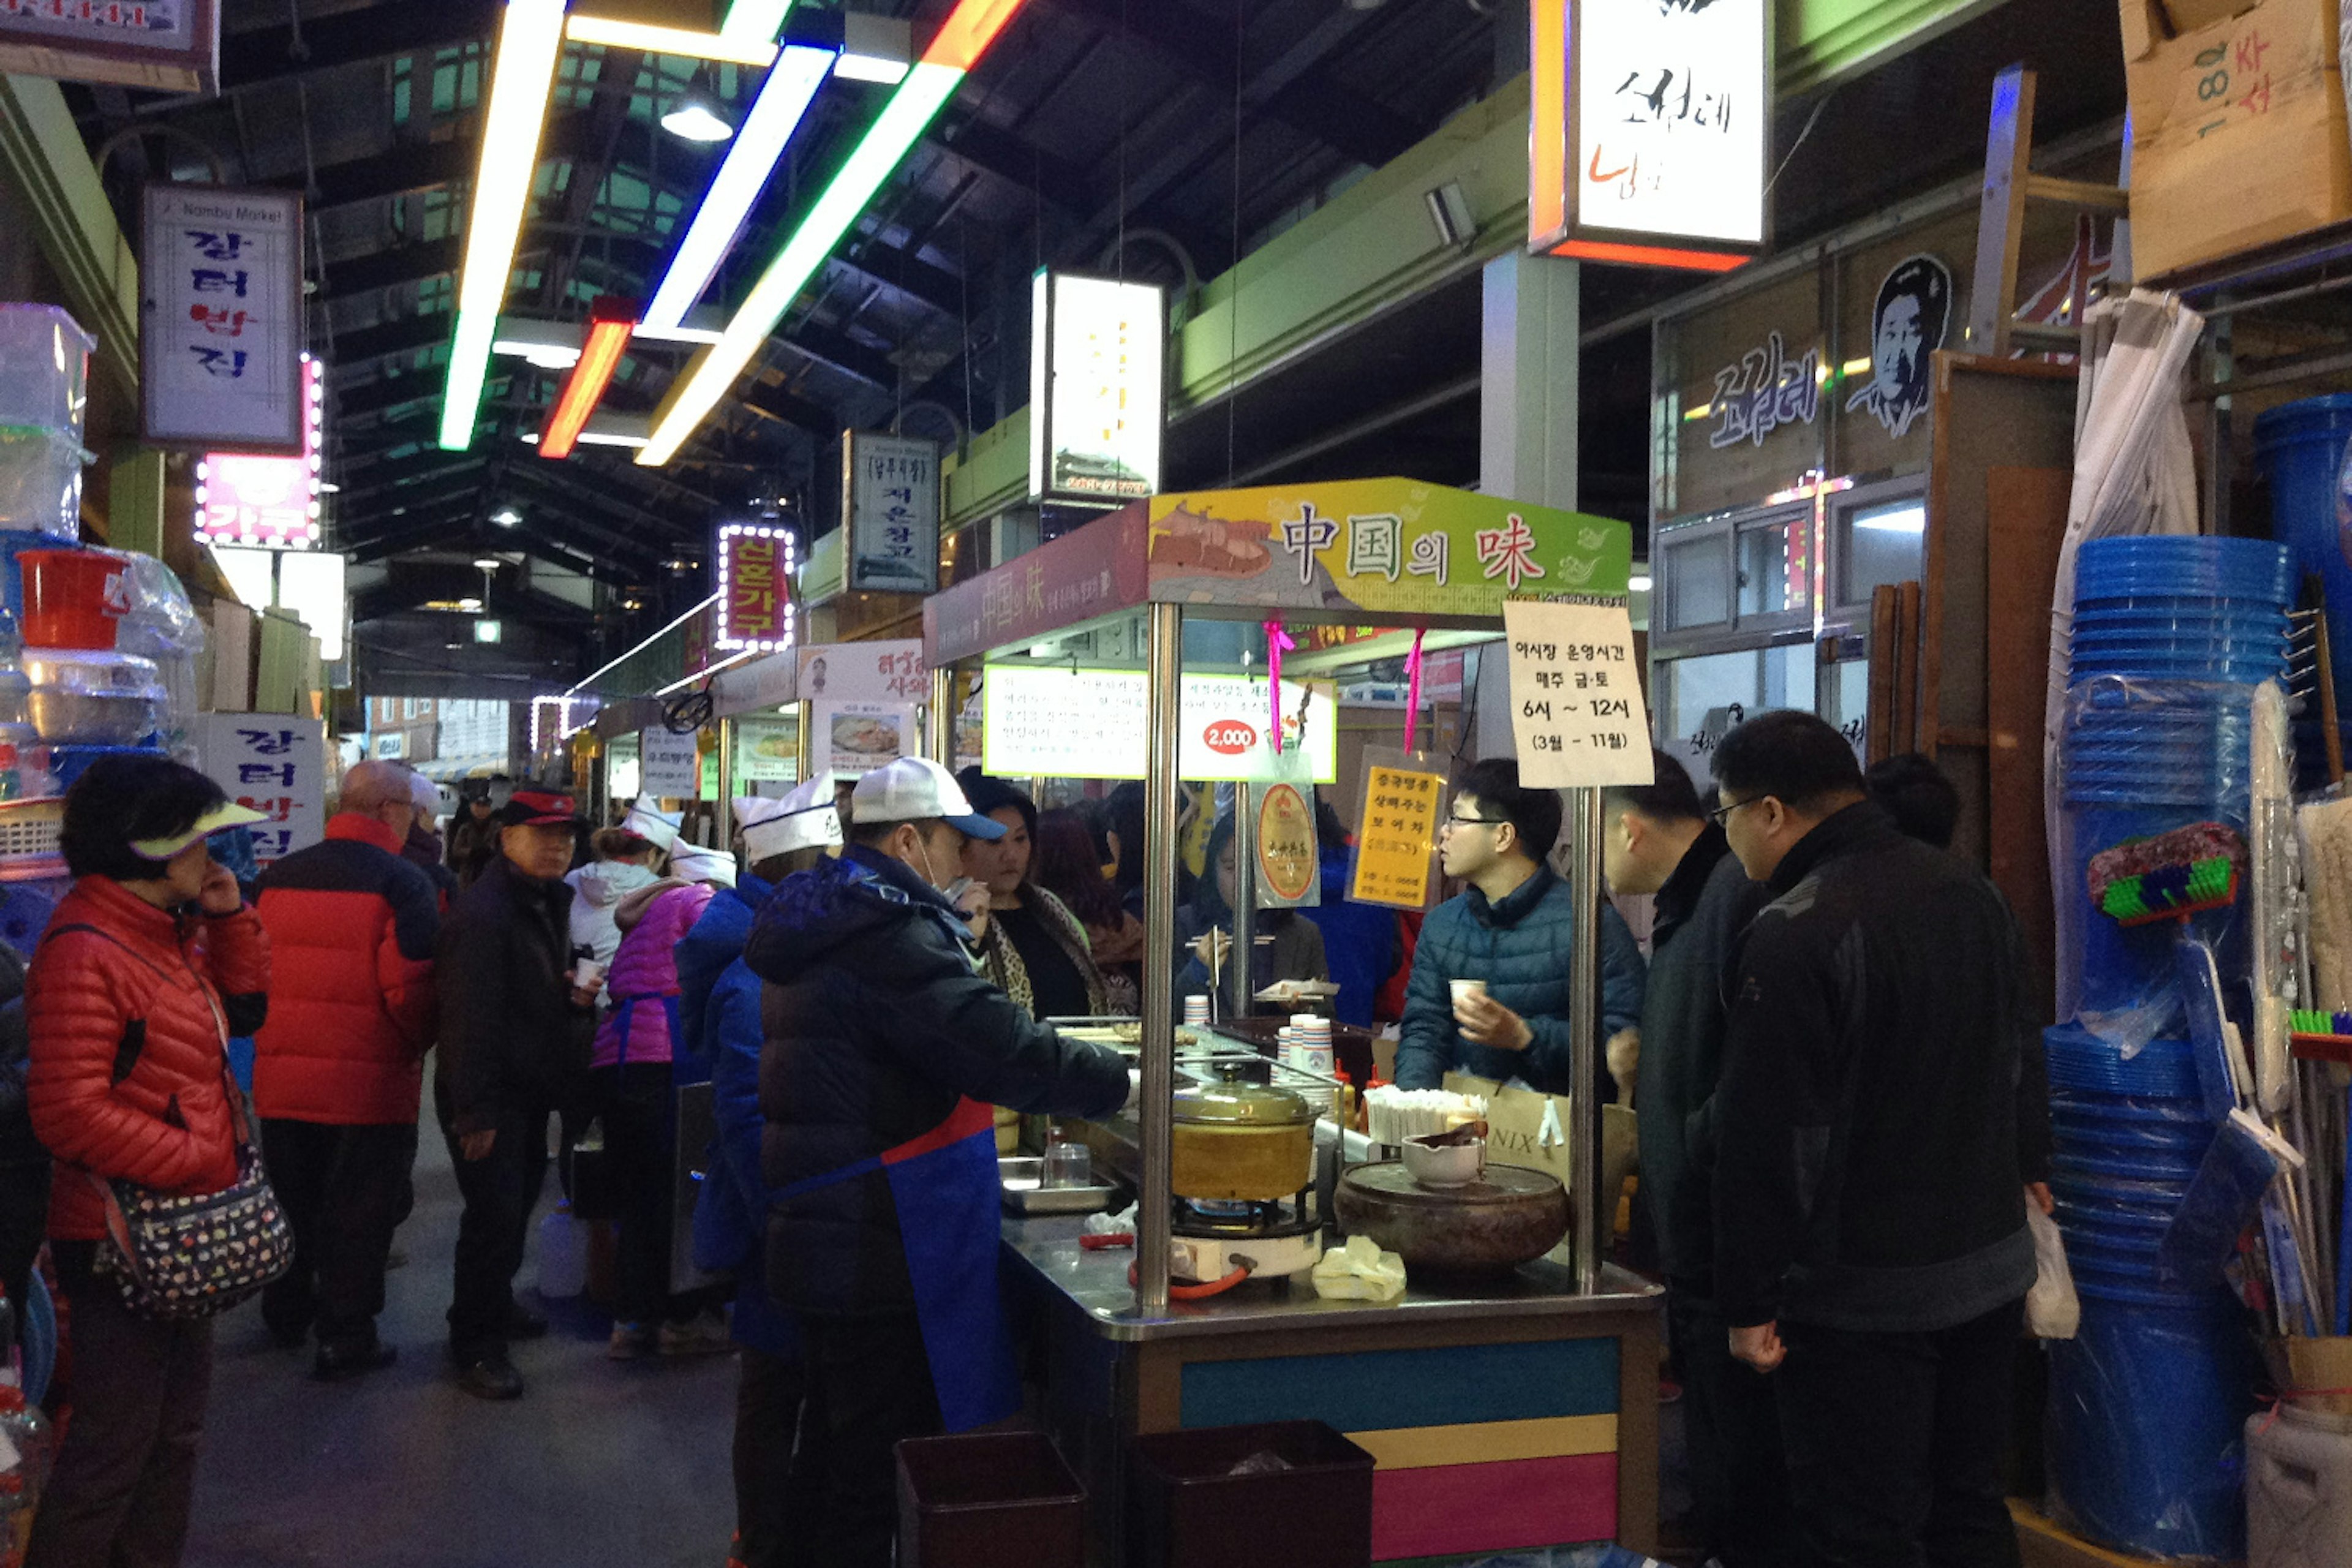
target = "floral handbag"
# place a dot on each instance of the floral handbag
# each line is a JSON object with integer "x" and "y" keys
{"x": 175, "y": 1257}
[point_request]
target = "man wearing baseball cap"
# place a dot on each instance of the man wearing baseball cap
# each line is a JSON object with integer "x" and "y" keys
{"x": 515, "y": 1032}
{"x": 886, "y": 1049}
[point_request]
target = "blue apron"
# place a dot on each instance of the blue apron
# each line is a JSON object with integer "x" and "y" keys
{"x": 946, "y": 1188}
{"x": 626, "y": 1006}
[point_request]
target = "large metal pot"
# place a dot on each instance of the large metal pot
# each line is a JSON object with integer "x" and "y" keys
{"x": 1239, "y": 1143}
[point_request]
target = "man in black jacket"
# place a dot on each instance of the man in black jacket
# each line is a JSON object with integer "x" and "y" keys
{"x": 1874, "y": 1135}
{"x": 1658, "y": 839}
{"x": 885, "y": 1049}
{"x": 514, "y": 1039}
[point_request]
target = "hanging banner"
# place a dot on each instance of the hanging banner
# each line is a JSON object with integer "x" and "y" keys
{"x": 1396, "y": 845}
{"x": 890, "y": 504}
{"x": 669, "y": 767}
{"x": 274, "y": 766}
{"x": 1098, "y": 392}
{"x": 163, "y": 46}
{"x": 754, "y": 564}
{"x": 1052, "y": 721}
{"x": 220, "y": 319}
{"x": 1289, "y": 869}
{"x": 1577, "y": 711}
{"x": 855, "y": 738}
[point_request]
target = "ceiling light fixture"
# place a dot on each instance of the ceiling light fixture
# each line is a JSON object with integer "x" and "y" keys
{"x": 874, "y": 49}
{"x": 654, "y": 332}
{"x": 648, "y": 37}
{"x": 776, "y": 113}
{"x": 755, "y": 19}
{"x": 961, "y": 42}
{"x": 543, "y": 356}
{"x": 507, "y": 517}
{"x": 609, "y": 321}
{"x": 487, "y": 564}
{"x": 695, "y": 121}
{"x": 531, "y": 41}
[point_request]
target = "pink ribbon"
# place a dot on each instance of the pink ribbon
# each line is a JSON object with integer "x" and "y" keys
{"x": 1412, "y": 695}
{"x": 1277, "y": 642}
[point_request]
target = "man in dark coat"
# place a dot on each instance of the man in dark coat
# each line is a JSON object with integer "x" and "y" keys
{"x": 886, "y": 1047}
{"x": 1876, "y": 1128}
{"x": 514, "y": 1039}
{"x": 1656, "y": 839}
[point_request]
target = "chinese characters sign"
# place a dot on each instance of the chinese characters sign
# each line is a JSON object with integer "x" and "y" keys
{"x": 1399, "y": 835}
{"x": 892, "y": 510}
{"x": 1096, "y": 392}
{"x": 1053, "y": 721}
{"x": 1577, "y": 711}
{"x": 220, "y": 330}
{"x": 168, "y": 45}
{"x": 248, "y": 498}
{"x": 1651, "y": 122}
{"x": 755, "y": 603}
{"x": 278, "y": 768}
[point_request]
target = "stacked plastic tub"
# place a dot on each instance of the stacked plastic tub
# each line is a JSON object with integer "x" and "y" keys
{"x": 2172, "y": 636}
{"x": 44, "y": 385}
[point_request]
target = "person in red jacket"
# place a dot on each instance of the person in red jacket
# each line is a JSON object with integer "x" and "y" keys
{"x": 150, "y": 964}
{"x": 339, "y": 1070}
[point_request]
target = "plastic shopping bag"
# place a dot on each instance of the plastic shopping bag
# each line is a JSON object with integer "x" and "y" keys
{"x": 2052, "y": 1309}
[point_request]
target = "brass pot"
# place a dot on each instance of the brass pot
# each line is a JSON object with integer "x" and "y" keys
{"x": 1239, "y": 1143}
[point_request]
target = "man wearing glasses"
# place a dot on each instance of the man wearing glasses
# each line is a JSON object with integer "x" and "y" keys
{"x": 1873, "y": 1130}
{"x": 1490, "y": 988}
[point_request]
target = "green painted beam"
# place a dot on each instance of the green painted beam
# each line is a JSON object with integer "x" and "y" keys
{"x": 41, "y": 153}
{"x": 1825, "y": 41}
{"x": 992, "y": 473}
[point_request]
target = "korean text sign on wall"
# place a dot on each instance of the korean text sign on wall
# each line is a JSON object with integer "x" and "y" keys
{"x": 892, "y": 511}
{"x": 167, "y": 45}
{"x": 755, "y": 605}
{"x": 278, "y": 766}
{"x": 1650, "y": 128}
{"x": 1098, "y": 397}
{"x": 220, "y": 319}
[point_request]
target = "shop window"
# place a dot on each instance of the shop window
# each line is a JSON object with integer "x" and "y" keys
{"x": 1880, "y": 544}
{"x": 1696, "y": 576}
{"x": 1773, "y": 574}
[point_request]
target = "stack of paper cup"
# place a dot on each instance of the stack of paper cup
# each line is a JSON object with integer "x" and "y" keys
{"x": 1196, "y": 1009}
{"x": 1310, "y": 1037}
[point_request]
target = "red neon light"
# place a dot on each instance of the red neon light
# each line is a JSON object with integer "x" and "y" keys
{"x": 610, "y": 322}
{"x": 1650, "y": 256}
{"x": 966, "y": 35}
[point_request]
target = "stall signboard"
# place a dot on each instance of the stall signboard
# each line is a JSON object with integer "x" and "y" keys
{"x": 277, "y": 766}
{"x": 1097, "y": 394}
{"x": 255, "y": 500}
{"x": 220, "y": 319}
{"x": 163, "y": 46}
{"x": 890, "y": 503}
{"x": 669, "y": 765}
{"x": 1397, "y": 844}
{"x": 755, "y": 602}
{"x": 855, "y": 738}
{"x": 1092, "y": 572}
{"x": 767, "y": 750}
{"x": 1289, "y": 867}
{"x": 1649, "y": 126}
{"x": 891, "y": 672}
{"x": 1056, "y": 722}
{"x": 1577, "y": 713}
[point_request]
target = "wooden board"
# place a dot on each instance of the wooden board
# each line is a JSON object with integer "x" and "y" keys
{"x": 2025, "y": 522}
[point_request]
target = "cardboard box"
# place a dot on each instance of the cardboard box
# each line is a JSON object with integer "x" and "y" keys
{"x": 2190, "y": 15}
{"x": 2238, "y": 128}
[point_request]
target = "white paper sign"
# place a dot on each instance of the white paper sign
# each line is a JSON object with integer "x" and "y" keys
{"x": 276, "y": 766}
{"x": 1576, "y": 695}
{"x": 766, "y": 751}
{"x": 855, "y": 738}
{"x": 220, "y": 319}
{"x": 1058, "y": 723}
{"x": 668, "y": 765}
{"x": 890, "y": 671}
{"x": 893, "y": 512}
{"x": 1674, "y": 104}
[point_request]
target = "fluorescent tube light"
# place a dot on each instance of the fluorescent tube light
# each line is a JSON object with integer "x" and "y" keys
{"x": 608, "y": 337}
{"x": 874, "y": 49}
{"x": 531, "y": 41}
{"x": 755, "y": 19}
{"x": 613, "y": 32}
{"x": 775, "y": 114}
{"x": 678, "y": 334}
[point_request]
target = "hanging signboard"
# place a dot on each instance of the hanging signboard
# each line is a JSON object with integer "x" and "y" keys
{"x": 855, "y": 738}
{"x": 272, "y": 503}
{"x": 165, "y": 46}
{"x": 890, "y": 671}
{"x": 1649, "y": 129}
{"x": 1577, "y": 711}
{"x": 668, "y": 766}
{"x": 1098, "y": 393}
{"x": 220, "y": 319}
{"x": 1055, "y": 721}
{"x": 767, "y": 750}
{"x": 754, "y": 563}
{"x": 1396, "y": 847}
{"x": 890, "y": 504}
{"x": 1289, "y": 869}
{"x": 274, "y": 766}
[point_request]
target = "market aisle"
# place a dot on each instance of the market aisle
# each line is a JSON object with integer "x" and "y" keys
{"x": 597, "y": 1463}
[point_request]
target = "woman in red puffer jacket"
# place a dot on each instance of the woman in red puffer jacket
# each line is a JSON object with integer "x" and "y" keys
{"x": 150, "y": 962}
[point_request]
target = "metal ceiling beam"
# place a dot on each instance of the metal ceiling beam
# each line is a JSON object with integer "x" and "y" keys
{"x": 382, "y": 478}
{"x": 406, "y": 335}
{"x": 267, "y": 55}
{"x": 370, "y": 271}
{"x": 787, "y": 406}
{"x": 390, "y": 393}
{"x": 1013, "y": 160}
{"x": 839, "y": 350}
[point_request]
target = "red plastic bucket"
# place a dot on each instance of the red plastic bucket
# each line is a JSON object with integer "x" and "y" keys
{"x": 73, "y": 598}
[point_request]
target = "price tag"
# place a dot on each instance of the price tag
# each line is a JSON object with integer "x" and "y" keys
{"x": 1576, "y": 695}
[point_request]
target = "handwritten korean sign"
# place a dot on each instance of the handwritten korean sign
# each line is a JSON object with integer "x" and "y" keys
{"x": 893, "y": 512}
{"x": 1398, "y": 835}
{"x": 1577, "y": 711}
{"x": 167, "y": 45}
{"x": 891, "y": 672}
{"x": 668, "y": 766}
{"x": 220, "y": 335}
{"x": 275, "y": 765}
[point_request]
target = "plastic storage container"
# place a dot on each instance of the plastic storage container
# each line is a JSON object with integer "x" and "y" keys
{"x": 90, "y": 698}
{"x": 1292, "y": 1492}
{"x": 40, "y": 482}
{"x": 562, "y": 1254}
{"x": 44, "y": 368}
{"x": 2299, "y": 449}
{"x": 2298, "y": 1489}
{"x": 989, "y": 1499}
{"x": 73, "y": 598}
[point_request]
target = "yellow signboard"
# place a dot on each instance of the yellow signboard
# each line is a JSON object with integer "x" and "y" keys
{"x": 1401, "y": 808}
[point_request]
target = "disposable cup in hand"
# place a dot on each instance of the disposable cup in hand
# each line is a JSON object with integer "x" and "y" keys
{"x": 1463, "y": 988}
{"x": 587, "y": 974}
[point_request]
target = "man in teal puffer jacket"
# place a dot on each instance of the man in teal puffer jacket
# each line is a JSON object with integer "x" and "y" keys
{"x": 1514, "y": 929}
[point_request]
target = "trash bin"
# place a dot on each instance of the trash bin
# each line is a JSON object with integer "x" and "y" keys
{"x": 989, "y": 1499}
{"x": 1293, "y": 1492}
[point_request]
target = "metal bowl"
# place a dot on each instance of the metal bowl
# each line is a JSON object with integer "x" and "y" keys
{"x": 84, "y": 719}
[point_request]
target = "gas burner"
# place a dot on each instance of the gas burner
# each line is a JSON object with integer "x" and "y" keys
{"x": 1219, "y": 1220}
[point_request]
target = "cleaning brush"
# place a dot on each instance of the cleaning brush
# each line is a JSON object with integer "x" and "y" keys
{"x": 2168, "y": 876}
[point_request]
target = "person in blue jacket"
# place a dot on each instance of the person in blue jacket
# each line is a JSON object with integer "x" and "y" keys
{"x": 730, "y": 1216}
{"x": 1513, "y": 928}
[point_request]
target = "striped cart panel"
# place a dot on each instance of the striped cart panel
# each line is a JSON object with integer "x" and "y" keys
{"x": 1454, "y": 1509}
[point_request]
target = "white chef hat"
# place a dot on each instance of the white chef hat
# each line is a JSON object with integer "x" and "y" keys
{"x": 804, "y": 819}
{"x": 696, "y": 864}
{"x": 651, "y": 823}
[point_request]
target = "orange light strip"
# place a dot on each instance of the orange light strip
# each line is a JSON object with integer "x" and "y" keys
{"x": 610, "y": 322}
{"x": 1548, "y": 121}
{"x": 966, "y": 35}
{"x": 1651, "y": 256}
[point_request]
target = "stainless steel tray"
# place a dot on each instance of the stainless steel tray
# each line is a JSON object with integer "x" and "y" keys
{"x": 1020, "y": 1178}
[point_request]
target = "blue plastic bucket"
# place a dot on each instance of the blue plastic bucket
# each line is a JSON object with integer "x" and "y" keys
{"x": 2299, "y": 450}
{"x": 2080, "y": 1060}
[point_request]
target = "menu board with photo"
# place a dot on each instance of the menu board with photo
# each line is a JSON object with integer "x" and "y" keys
{"x": 859, "y": 737}
{"x": 767, "y": 750}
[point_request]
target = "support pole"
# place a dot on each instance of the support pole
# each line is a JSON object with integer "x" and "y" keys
{"x": 725, "y": 804}
{"x": 938, "y": 720}
{"x": 1241, "y": 965}
{"x": 1165, "y": 663}
{"x": 1583, "y": 1033}
{"x": 806, "y": 762}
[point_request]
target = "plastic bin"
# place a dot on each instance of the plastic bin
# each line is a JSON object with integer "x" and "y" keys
{"x": 1311, "y": 1508}
{"x": 989, "y": 1499}
{"x": 2298, "y": 1489}
{"x": 44, "y": 368}
{"x": 40, "y": 482}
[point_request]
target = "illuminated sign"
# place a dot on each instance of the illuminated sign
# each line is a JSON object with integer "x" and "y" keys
{"x": 755, "y": 603}
{"x": 1649, "y": 128}
{"x": 1097, "y": 396}
{"x": 244, "y": 498}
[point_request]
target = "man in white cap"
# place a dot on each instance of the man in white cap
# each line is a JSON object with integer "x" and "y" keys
{"x": 886, "y": 1049}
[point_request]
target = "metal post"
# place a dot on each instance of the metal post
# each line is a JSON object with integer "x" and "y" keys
{"x": 726, "y": 803}
{"x": 804, "y": 765}
{"x": 1242, "y": 965}
{"x": 1584, "y": 1027}
{"x": 1165, "y": 662}
{"x": 938, "y": 724}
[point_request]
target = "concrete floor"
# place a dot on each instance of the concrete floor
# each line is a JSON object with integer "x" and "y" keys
{"x": 599, "y": 1462}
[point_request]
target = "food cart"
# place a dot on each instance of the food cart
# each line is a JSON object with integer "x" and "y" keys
{"x": 1502, "y": 1411}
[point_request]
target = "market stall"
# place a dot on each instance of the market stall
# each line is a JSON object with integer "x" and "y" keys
{"x": 1513, "y": 1404}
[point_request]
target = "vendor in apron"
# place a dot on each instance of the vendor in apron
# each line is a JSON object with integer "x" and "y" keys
{"x": 885, "y": 1048}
